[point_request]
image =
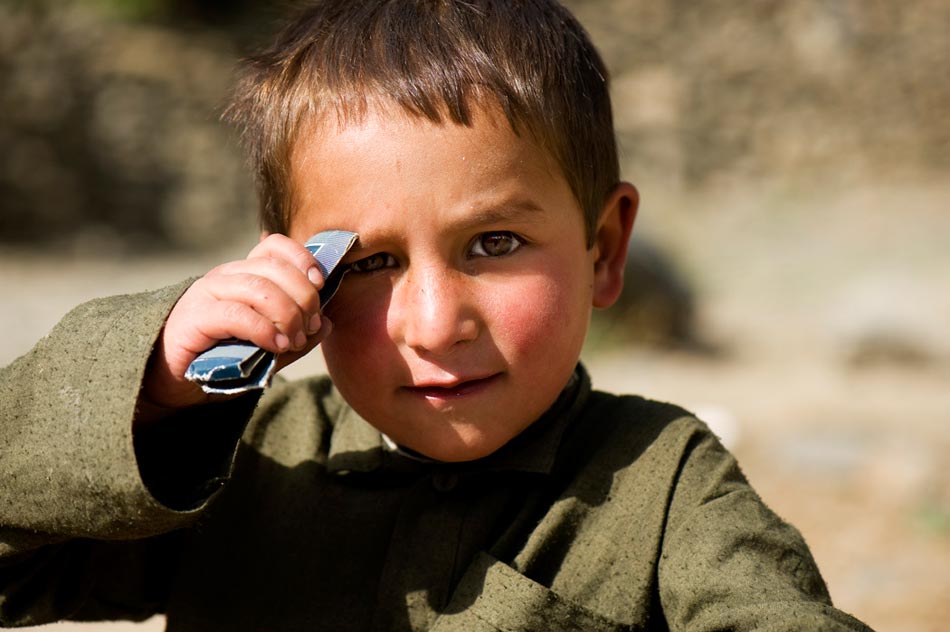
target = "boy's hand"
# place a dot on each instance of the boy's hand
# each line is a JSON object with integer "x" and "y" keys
{"x": 271, "y": 299}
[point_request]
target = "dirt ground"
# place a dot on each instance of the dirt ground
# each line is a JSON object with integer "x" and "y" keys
{"x": 830, "y": 315}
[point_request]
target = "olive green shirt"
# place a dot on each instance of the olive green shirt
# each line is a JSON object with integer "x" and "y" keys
{"x": 291, "y": 513}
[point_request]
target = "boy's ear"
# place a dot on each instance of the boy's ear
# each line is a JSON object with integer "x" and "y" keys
{"x": 610, "y": 243}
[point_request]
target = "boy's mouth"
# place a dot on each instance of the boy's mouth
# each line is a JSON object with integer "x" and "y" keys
{"x": 452, "y": 389}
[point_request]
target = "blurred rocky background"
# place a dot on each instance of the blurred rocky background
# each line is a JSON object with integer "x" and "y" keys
{"x": 110, "y": 125}
{"x": 789, "y": 281}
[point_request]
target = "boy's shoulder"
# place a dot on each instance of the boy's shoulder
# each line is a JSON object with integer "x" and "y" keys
{"x": 631, "y": 424}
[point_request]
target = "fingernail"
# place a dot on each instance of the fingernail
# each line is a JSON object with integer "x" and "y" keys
{"x": 314, "y": 275}
{"x": 300, "y": 340}
{"x": 315, "y": 322}
{"x": 282, "y": 342}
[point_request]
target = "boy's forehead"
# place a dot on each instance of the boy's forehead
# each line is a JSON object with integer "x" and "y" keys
{"x": 387, "y": 135}
{"x": 395, "y": 163}
{"x": 349, "y": 116}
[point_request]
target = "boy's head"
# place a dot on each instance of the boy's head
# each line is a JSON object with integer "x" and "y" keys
{"x": 438, "y": 60}
{"x": 487, "y": 230}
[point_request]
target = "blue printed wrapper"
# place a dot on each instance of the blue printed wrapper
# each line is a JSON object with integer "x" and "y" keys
{"x": 236, "y": 366}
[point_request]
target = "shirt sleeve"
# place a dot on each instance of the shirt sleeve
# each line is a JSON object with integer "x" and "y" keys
{"x": 729, "y": 563}
{"x": 86, "y": 514}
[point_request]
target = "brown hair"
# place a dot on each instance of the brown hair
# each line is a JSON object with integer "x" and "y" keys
{"x": 435, "y": 59}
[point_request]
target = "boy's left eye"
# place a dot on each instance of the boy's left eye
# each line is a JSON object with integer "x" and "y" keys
{"x": 374, "y": 262}
{"x": 495, "y": 244}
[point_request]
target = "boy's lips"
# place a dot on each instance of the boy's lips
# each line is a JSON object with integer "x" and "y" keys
{"x": 452, "y": 389}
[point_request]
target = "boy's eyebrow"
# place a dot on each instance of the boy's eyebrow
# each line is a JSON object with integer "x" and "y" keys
{"x": 509, "y": 210}
{"x": 512, "y": 210}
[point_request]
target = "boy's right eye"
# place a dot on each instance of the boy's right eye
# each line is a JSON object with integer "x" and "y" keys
{"x": 373, "y": 263}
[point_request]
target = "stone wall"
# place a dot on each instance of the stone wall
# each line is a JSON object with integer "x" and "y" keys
{"x": 110, "y": 125}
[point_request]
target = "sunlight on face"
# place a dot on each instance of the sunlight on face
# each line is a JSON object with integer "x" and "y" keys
{"x": 470, "y": 292}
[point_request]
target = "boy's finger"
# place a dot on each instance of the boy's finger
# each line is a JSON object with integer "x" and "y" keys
{"x": 238, "y": 320}
{"x": 278, "y": 271}
{"x": 283, "y": 247}
{"x": 323, "y": 329}
{"x": 266, "y": 298}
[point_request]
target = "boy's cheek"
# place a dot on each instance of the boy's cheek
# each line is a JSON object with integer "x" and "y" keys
{"x": 356, "y": 306}
{"x": 537, "y": 316}
{"x": 359, "y": 324}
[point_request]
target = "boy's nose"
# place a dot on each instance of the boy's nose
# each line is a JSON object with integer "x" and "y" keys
{"x": 436, "y": 315}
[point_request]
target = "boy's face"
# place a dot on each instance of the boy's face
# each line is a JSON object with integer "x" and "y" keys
{"x": 465, "y": 313}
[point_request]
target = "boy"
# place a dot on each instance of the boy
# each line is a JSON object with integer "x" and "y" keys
{"x": 457, "y": 473}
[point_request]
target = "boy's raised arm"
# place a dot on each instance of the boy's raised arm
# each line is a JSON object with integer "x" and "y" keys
{"x": 66, "y": 411}
{"x": 74, "y": 408}
{"x": 69, "y": 480}
{"x": 103, "y": 441}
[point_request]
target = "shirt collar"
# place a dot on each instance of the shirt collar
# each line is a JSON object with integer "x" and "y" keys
{"x": 356, "y": 446}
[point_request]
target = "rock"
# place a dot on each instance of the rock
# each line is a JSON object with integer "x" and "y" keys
{"x": 887, "y": 318}
{"x": 116, "y": 127}
{"x": 657, "y": 304}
